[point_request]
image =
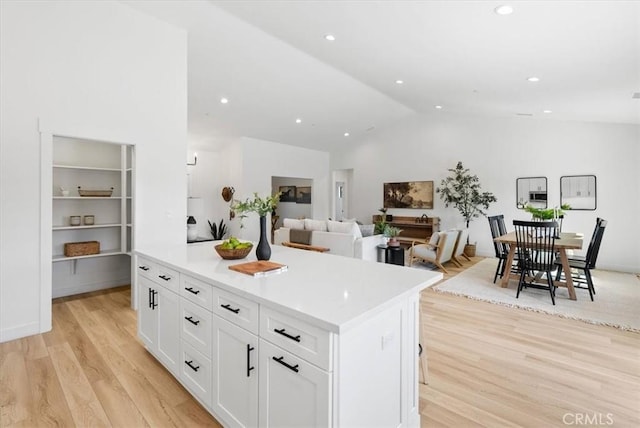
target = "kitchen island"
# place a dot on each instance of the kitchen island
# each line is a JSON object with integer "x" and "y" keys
{"x": 331, "y": 341}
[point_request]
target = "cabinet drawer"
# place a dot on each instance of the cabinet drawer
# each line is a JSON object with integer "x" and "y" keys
{"x": 145, "y": 268}
{"x": 195, "y": 373}
{"x": 197, "y": 291}
{"x": 196, "y": 324}
{"x": 238, "y": 310}
{"x": 167, "y": 277}
{"x": 296, "y": 336}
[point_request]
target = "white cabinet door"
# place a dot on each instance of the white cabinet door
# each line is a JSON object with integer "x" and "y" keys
{"x": 168, "y": 312}
{"x": 235, "y": 374}
{"x": 147, "y": 313}
{"x": 293, "y": 393}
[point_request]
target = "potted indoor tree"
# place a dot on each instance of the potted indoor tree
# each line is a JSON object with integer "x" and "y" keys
{"x": 462, "y": 190}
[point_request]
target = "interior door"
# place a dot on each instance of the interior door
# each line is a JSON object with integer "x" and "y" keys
{"x": 339, "y": 202}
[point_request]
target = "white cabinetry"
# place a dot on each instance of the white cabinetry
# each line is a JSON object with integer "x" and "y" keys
{"x": 91, "y": 165}
{"x": 251, "y": 363}
{"x": 293, "y": 392}
{"x": 158, "y": 313}
{"x": 235, "y": 389}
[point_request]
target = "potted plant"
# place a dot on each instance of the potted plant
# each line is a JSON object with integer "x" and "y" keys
{"x": 381, "y": 224}
{"x": 546, "y": 213}
{"x": 262, "y": 207}
{"x": 392, "y": 233}
{"x": 462, "y": 190}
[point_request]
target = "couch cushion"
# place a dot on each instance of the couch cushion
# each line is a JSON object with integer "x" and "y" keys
{"x": 342, "y": 227}
{"x": 350, "y": 220}
{"x": 293, "y": 223}
{"x": 367, "y": 229}
{"x": 319, "y": 225}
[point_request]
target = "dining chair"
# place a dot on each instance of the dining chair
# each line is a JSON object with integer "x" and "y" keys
{"x": 498, "y": 228}
{"x": 584, "y": 264}
{"x": 535, "y": 242}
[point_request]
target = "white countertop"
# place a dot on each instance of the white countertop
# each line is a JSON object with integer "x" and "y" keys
{"x": 332, "y": 292}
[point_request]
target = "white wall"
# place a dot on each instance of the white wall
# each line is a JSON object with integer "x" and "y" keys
{"x": 253, "y": 162}
{"x": 99, "y": 70}
{"x": 499, "y": 151}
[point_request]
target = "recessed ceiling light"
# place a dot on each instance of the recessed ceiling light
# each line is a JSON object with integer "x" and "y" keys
{"x": 547, "y": 111}
{"x": 399, "y": 82}
{"x": 533, "y": 79}
{"x": 346, "y": 134}
{"x": 298, "y": 120}
{"x": 438, "y": 107}
{"x": 330, "y": 37}
{"x": 505, "y": 9}
{"x": 224, "y": 100}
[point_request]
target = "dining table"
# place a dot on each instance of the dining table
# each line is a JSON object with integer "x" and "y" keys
{"x": 566, "y": 241}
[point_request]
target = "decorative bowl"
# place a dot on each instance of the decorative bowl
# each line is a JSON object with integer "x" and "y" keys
{"x": 233, "y": 254}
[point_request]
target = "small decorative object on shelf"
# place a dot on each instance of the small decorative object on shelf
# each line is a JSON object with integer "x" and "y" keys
{"x": 95, "y": 193}
{"x": 75, "y": 249}
{"x": 218, "y": 230}
{"x": 64, "y": 192}
{"x": 74, "y": 220}
{"x": 262, "y": 207}
{"x": 88, "y": 220}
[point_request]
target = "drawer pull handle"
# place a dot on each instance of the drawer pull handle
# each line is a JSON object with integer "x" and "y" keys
{"x": 144, "y": 268}
{"x": 290, "y": 367}
{"x": 190, "y": 319}
{"x": 191, "y": 290}
{"x": 283, "y": 332}
{"x": 229, "y": 308}
{"x": 166, "y": 278}
{"x": 249, "y": 366}
{"x": 195, "y": 369}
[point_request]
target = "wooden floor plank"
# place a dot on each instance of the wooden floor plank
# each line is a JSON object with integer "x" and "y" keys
{"x": 81, "y": 398}
{"x": 50, "y": 407}
{"x": 15, "y": 396}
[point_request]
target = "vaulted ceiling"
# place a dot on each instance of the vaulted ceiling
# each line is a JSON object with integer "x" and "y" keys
{"x": 272, "y": 62}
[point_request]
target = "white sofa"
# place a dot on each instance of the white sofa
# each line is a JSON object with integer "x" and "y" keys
{"x": 341, "y": 243}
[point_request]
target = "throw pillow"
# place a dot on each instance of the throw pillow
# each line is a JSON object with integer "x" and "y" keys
{"x": 292, "y": 223}
{"x": 319, "y": 225}
{"x": 434, "y": 239}
{"x": 338, "y": 226}
{"x": 367, "y": 229}
{"x": 350, "y": 220}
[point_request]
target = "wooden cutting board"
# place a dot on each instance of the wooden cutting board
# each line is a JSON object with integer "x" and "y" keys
{"x": 259, "y": 268}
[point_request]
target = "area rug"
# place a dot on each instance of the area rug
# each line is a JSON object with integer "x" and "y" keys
{"x": 617, "y": 299}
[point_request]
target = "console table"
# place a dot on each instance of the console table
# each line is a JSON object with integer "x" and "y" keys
{"x": 413, "y": 227}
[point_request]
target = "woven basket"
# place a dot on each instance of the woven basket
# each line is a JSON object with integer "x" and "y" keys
{"x": 233, "y": 254}
{"x": 74, "y": 249}
{"x": 100, "y": 193}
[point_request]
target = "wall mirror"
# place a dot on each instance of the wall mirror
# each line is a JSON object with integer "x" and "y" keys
{"x": 578, "y": 191}
{"x": 531, "y": 191}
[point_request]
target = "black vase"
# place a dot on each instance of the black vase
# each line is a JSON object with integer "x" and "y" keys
{"x": 263, "y": 250}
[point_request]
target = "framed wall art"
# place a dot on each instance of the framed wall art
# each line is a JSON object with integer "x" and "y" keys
{"x": 303, "y": 195}
{"x": 288, "y": 193}
{"x": 408, "y": 194}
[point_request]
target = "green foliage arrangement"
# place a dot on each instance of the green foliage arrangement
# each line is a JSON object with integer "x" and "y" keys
{"x": 258, "y": 205}
{"x": 380, "y": 225}
{"x": 462, "y": 190}
{"x": 546, "y": 213}
{"x": 218, "y": 231}
{"x": 391, "y": 231}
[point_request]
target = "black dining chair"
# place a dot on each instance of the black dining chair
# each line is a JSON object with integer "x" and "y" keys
{"x": 498, "y": 228}
{"x": 584, "y": 264}
{"x": 535, "y": 242}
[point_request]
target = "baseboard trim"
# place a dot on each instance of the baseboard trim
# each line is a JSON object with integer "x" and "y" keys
{"x": 19, "y": 331}
{"x": 86, "y": 288}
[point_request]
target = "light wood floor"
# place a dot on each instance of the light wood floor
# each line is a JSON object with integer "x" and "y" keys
{"x": 488, "y": 366}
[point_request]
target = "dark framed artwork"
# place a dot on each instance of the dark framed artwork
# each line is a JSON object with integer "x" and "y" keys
{"x": 408, "y": 194}
{"x": 303, "y": 195}
{"x": 287, "y": 193}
